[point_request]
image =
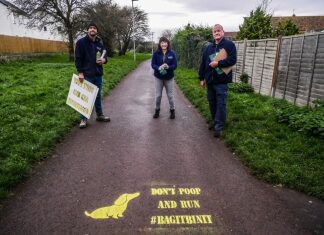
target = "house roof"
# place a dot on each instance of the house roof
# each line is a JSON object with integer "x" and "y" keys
{"x": 8, "y": 4}
{"x": 304, "y": 23}
{"x": 13, "y": 7}
{"x": 230, "y": 34}
{"x": 4, "y": 2}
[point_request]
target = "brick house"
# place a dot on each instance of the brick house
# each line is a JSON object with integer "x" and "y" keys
{"x": 305, "y": 24}
{"x": 230, "y": 35}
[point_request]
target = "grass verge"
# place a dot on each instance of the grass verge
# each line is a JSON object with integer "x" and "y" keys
{"x": 273, "y": 151}
{"x": 33, "y": 113}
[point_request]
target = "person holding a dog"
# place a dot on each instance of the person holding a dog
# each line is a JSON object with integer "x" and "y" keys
{"x": 215, "y": 72}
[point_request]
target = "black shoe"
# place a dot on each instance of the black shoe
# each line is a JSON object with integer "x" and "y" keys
{"x": 157, "y": 113}
{"x": 102, "y": 118}
{"x": 172, "y": 114}
{"x": 217, "y": 134}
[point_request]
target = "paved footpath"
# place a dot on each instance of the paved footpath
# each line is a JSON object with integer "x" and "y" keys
{"x": 139, "y": 175}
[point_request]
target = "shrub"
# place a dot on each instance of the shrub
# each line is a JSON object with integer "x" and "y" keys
{"x": 240, "y": 88}
{"x": 189, "y": 43}
{"x": 140, "y": 49}
{"x": 244, "y": 78}
{"x": 303, "y": 119}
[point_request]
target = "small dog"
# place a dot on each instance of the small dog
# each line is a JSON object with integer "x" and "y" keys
{"x": 114, "y": 211}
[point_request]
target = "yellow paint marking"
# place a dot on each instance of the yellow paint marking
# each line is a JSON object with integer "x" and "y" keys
{"x": 190, "y": 204}
{"x": 189, "y": 191}
{"x": 181, "y": 219}
{"x": 115, "y": 211}
{"x": 163, "y": 191}
{"x": 167, "y": 204}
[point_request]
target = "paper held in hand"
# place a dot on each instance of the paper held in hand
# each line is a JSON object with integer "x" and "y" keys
{"x": 221, "y": 55}
{"x": 82, "y": 96}
{"x": 100, "y": 56}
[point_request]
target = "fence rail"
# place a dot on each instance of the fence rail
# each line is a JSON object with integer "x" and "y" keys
{"x": 24, "y": 45}
{"x": 290, "y": 68}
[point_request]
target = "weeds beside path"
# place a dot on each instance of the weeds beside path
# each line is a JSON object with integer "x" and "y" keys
{"x": 33, "y": 113}
{"x": 273, "y": 151}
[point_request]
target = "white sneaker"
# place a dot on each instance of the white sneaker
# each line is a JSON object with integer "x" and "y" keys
{"x": 83, "y": 124}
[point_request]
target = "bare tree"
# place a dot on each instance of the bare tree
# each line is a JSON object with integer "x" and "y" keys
{"x": 58, "y": 13}
{"x": 126, "y": 31}
{"x": 167, "y": 33}
{"x": 106, "y": 14}
{"x": 116, "y": 24}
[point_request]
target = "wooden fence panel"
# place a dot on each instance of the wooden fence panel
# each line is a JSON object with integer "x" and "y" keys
{"x": 24, "y": 45}
{"x": 306, "y": 70}
{"x": 284, "y": 58}
{"x": 268, "y": 67}
{"x": 258, "y": 62}
{"x": 295, "y": 74}
{"x": 249, "y": 59}
{"x": 293, "y": 67}
{"x": 317, "y": 91}
{"x": 238, "y": 68}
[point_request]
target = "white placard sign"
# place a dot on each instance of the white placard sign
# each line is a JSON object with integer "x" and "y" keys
{"x": 82, "y": 96}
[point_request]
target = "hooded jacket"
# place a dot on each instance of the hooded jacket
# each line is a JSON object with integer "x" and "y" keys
{"x": 86, "y": 56}
{"x": 210, "y": 74}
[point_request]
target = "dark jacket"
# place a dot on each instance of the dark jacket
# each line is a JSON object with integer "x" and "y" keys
{"x": 86, "y": 56}
{"x": 210, "y": 74}
{"x": 158, "y": 59}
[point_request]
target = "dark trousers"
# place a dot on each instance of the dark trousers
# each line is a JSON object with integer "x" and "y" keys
{"x": 98, "y": 82}
{"x": 217, "y": 96}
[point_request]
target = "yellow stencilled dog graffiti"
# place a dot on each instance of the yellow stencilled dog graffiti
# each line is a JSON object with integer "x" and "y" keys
{"x": 114, "y": 211}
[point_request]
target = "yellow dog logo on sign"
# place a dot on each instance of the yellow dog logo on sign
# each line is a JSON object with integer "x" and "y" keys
{"x": 116, "y": 210}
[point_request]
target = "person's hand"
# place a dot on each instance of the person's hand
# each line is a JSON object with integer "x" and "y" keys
{"x": 202, "y": 83}
{"x": 81, "y": 77}
{"x": 161, "y": 67}
{"x": 165, "y": 66}
{"x": 213, "y": 64}
{"x": 101, "y": 61}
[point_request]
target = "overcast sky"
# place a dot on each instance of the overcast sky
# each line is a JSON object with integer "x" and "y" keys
{"x": 173, "y": 14}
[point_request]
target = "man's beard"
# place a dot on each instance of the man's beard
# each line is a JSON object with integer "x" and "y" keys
{"x": 93, "y": 34}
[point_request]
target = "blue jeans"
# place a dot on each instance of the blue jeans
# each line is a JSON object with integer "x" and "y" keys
{"x": 98, "y": 82}
{"x": 217, "y": 95}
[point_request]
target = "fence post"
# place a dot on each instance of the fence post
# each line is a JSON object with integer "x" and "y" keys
{"x": 290, "y": 46}
{"x": 276, "y": 67}
{"x": 237, "y": 50}
{"x": 244, "y": 55}
{"x": 300, "y": 58}
{"x": 313, "y": 67}
{"x": 253, "y": 62}
{"x": 264, "y": 54}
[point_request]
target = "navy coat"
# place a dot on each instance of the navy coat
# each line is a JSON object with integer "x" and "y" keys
{"x": 86, "y": 56}
{"x": 158, "y": 59}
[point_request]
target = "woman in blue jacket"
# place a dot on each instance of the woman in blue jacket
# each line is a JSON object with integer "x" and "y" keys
{"x": 164, "y": 62}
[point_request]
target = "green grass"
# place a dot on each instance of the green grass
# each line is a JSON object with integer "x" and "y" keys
{"x": 273, "y": 151}
{"x": 33, "y": 113}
